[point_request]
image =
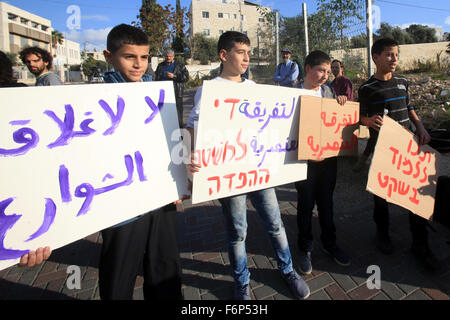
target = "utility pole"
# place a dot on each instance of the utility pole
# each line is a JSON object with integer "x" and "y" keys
{"x": 277, "y": 37}
{"x": 305, "y": 23}
{"x": 369, "y": 37}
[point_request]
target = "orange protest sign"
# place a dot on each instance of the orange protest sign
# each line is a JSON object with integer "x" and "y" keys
{"x": 402, "y": 172}
{"x": 327, "y": 129}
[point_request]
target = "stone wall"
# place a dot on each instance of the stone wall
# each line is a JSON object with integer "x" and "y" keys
{"x": 409, "y": 54}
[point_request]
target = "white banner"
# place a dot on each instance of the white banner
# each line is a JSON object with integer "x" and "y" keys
{"x": 246, "y": 140}
{"x": 78, "y": 159}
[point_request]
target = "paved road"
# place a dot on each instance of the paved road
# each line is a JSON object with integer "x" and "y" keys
{"x": 206, "y": 272}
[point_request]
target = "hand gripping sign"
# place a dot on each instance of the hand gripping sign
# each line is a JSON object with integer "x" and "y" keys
{"x": 77, "y": 159}
{"x": 402, "y": 172}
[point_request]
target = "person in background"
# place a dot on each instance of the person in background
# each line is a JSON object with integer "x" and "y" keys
{"x": 341, "y": 85}
{"x": 286, "y": 73}
{"x": 173, "y": 70}
{"x": 40, "y": 63}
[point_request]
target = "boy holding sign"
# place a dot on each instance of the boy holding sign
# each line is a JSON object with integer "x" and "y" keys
{"x": 234, "y": 49}
{"x": 319, "y": 185}
{"x": 386, "y": 92}
{"x": 150, "y": 239}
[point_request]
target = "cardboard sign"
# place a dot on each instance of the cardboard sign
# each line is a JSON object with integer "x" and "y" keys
{"x": 77, "y": 159}
{"x": 402, "y": 172}
{"x": 327, "y": 129}
{"x": 247, "y": 139}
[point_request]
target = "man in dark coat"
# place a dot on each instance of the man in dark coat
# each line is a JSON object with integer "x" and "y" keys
{"x": 171, "y": 69}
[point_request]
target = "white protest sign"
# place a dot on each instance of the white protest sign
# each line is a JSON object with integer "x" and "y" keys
{"x": 246, "y": 140}
{"x": 77, "y": 159}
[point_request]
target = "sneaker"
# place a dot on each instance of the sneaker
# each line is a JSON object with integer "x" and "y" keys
{"x": 242, "y": 292}
{"x": 426, "y": 257}
{"x": 297, "y": 285}
{"x": 339, "y": 256}
{"x": 384, "y": 244}
{"x": 305, "y": 265}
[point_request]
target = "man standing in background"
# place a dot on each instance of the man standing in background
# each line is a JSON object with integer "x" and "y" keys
{"x": 173, "y": 70}
{"x": 39, "y": 62}
{"x": 286, "y": 72}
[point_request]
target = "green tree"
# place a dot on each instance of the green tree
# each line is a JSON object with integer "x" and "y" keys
{"x": 421, "y": 33}
{"x": 320, "y": 34}
{"x": 339, "y": 11}
{"x": 204, "y": 48}
{"x": 90, "y": 64}
{"x": 156, "y": 21}
{"x": 57, "y": 39}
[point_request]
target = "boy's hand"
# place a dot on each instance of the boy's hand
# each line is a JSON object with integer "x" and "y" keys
{"x": 33, "y": 258}
{"x": 423, "y": 135}
{"x": 169, "y": 75}
{"x": 374, "y": 122}
{"x": 341, "y": 100}
{"x": 193, "y": 167}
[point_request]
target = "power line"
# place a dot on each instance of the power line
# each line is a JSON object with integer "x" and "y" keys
{"x": 411, "y": 5}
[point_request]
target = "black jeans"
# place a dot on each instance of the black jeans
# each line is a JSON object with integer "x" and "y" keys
{"x": 317, "y": 189}
{"x": 417, "y": 224}
{"x": 148, "y": 243}
{"x": 179, "y": 103}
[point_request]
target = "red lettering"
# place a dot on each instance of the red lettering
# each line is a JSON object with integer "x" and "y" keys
{"x": 229, "y": 176}
{"x": 242, "y": 175}
{"x": 395, "y": 151}
{"x": 414, "y": 199}
{"x": 386, "y": 180}
{"x": 233, "y": 101}
{"x": 242, "y": 145}
{"x": 425, "y": 175}
{"x": 217, "y": 178}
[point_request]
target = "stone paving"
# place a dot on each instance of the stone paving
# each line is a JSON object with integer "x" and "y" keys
{"x": 206, "y": 270}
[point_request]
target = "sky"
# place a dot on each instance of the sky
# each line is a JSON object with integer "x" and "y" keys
{"x": 99, "y": 16}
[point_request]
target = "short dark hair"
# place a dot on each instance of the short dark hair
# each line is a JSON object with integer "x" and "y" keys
{"x": 340, "y": 62}
{"x": 379, "y": 45}
{"x": 317, "y": 57}
{"x": 229, "y": 38}
{"x": 6, "y": 71}
{"x": 39, "y": 52}
{"x": 125, "y": 34}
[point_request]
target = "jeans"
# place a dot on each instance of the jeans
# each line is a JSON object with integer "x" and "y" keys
{"x": 317, "y": 188}
{"x": 235, "y": 213}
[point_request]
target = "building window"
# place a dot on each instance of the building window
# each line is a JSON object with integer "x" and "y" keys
{"x": 206, "y": 32}
{"x": 24, "y": 21}
{"x": 220, "y": 32}
{"x": 261, "y": 19}
{"x": 235, "y": 16}
{"x": 34, "y": 24}
{"x": 220, "y": 15}
{"x": 11, "y": 38}
{"x": 242, "y": 17}
{"x": 23, "y": 42}
{"x": 205, "y": 14}
{"x": 44, "y": 28}
{"x": 227, "y": 15}
{"x": 12, "y": 16}
{"x": 244, "y": 32}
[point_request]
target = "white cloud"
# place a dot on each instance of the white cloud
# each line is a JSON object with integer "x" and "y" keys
{"x": 447, "y": 20}
{"x": 92, "y": 38}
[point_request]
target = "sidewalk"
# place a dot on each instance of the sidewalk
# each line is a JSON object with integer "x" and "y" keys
{"x": 206, "y": 271}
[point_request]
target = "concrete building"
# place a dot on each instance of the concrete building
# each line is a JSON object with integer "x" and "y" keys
{"x": 96, "y": 55}
{"x": 214, "y": 17}
{"x": 20, "y": 29}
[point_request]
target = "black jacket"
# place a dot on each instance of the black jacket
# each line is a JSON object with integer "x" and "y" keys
{"x": 181, "y": 76}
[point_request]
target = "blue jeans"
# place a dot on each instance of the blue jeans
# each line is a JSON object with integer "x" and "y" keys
{"x": 235, "y": 212}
